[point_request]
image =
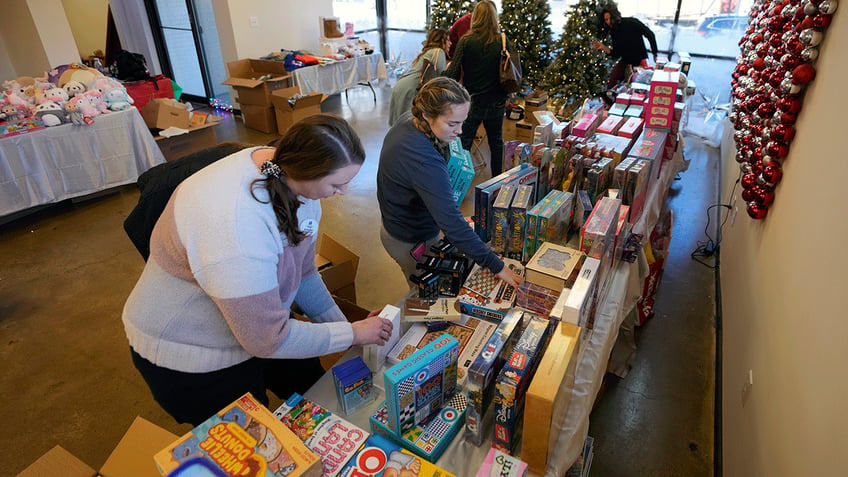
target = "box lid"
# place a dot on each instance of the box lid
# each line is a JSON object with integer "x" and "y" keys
{"x": 133, "y": 456}
{"x": 58, "y": 458}
{"x": 252, "y": 68}
{"x": 289, "y": 99}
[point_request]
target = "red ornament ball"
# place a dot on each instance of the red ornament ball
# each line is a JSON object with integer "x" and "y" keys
{"x": 782, "y": 132}
{"x": 749, "y": 181}
{"x": 763, "y": 195}
{"x": 757, "y": 211}
{"x": 803, "y": 74}
{"x": 772, "y": 173}
{"x": 748, "y": 195}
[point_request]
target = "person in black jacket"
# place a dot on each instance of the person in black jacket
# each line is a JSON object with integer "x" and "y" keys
{"x": 627, "y": 42}
{"x": 475, "y": 64}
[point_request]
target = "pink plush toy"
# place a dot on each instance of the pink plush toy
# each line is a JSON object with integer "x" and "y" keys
{"x": 95, "y": 98}
{"x": 84, "y": 106}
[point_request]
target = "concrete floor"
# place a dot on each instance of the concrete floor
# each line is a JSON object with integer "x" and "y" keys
{"x": 66, "y": 376}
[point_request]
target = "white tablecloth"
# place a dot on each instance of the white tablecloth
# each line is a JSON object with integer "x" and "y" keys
{"x": 62, "y": 162}
{"x": 336, "y": 77}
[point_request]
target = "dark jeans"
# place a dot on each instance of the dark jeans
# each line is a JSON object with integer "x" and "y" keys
{"x": 491, "y": 115}
{"x": 194, "y": 397}
{"x": 620, "y": 72}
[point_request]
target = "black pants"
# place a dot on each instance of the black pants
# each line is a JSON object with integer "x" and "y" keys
{"x": 492, "y": 116}
{"x": 194, "y": 397}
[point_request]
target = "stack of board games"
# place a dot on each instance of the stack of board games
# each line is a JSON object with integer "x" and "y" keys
{"x": 471, "y": 333}
{"x": 353, "y": 381}
{"x": 486, "y": 192}
{"x": 521, "y": 203}
{"x": 380, "y": 454}
{"x": 375, "y": 355}
{"x": 334, "y": 439}
{"x": 421, "y": 384}
{"x": 513, "y": 380}
{"x": 500, "y": 219}
{"x": 244, "y": 437}
{"x": 430, "y": 438}
{"x": 486, "y": 296}
{"x": 479, "y": 387}
{"x": 498, "y": 464}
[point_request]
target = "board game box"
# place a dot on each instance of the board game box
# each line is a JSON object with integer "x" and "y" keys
{"x": 498, "y": 464}
{"x": 353, "y": 381}
{"x": 244, "y": 438}
{"x": 484, "y": 295}
{"x": 512, "y": 382}
{"x": 334, "y": 439}
{"x": 500, "y": 219}
{"x": 471, "y": 333}
{"x": 479, "y": 387}
{"x": 521, "y": 203}
{"x": 375, "y": 355}
{"x": 381, "y": 454}
{"x": 421, "y": 384}
{"x": 430, "y": 438}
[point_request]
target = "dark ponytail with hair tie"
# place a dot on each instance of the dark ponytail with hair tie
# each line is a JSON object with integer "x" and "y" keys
{"x": 433, "y": 100}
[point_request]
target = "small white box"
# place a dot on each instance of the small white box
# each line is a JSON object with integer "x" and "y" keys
{"x": 579, "y": 306}
{"x": 375, "y": 355}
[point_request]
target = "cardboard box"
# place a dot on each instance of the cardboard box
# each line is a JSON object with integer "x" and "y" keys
{"x": 337, "y": 266}
{"x": 551, "y": 266}
{"x": 261, "y": 118}
{"x": 524, "y": 130}
{"x": 290, "y": 106}
{"x": 245, "y": 79}
{"x": 549, "y": 390}
{"x": 198, "y": 138}
{"x": 132, "y": 457}
{"x": 163, "y": 113}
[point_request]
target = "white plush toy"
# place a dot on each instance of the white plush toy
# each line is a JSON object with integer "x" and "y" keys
{"x": 50, "y": 113}
{"x": 117, "y": 99}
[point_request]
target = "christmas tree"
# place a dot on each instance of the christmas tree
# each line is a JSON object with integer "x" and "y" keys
{"x": 578, "y": 71}
{"x": 444, "y": 12}
{"x": 526, "y": 23}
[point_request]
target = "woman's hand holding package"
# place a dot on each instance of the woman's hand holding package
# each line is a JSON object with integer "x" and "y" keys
{"x": 372, "y": 330}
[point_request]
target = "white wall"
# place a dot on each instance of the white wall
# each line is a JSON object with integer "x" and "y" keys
{"x": 55, "y": 32}
{"x": 88, "y": 24}
{"x": 785, "y": 298}
{"x": 7, "y": 69}
{"x": 25, "y": 52}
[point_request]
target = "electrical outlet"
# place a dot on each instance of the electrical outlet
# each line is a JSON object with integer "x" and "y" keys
{"x": 254, "y": 22}
{"x": 747, "y": 386}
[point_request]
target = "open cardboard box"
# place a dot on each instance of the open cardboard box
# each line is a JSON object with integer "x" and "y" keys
{"x": 198, "y": 138}
{"x": 163, "y": 113}
{"x": 337, "y": 266}
{"x": 290, "y": 107}
{"x": 132, "y": 457}
{"x": 244, "y": 78}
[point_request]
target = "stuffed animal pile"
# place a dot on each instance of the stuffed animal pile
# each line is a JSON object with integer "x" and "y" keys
{"x": 70, "y": 94}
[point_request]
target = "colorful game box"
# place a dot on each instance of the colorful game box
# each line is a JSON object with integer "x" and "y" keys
{"x": 424, "y": 310}
{"x": 484, "y": 295}
{"x": 20, "y": 126}
{"x": 244, "y": 438}
{"x": 513, "y": 380}
{"x": 498, "y": 464}
{"x": 421, "y": 384}
{"x": 532, "y": 226}
{"x": 552, "y": 266}
{"x": 460, "y": 170}
{"x": 521, "y": 203}
{"x": 486, "y": 192}
{"x": 479, "y": 387}
{"x": 353, "y": 381}
{"x": 431, "y": 437}
{"x": 500, "y": 219}
{"x": 375, "y": 355}
{"x": 381, "y": 454}
{"x": 579, "y": 306}
{"x": 334, "y": 439}
{"x": 470, "y": 332}
{"x": 555, "y": 220}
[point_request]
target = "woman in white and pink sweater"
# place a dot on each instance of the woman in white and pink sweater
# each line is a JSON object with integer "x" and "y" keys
{"x": 209, "y": 319}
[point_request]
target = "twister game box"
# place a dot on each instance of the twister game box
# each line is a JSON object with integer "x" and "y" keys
{"x": 334, "y": 439}
{"x": 430, "y": 438}
{"x": 243, "y": 439}
{"x": 421, "y": 384}
{"x": 380, "y": 457}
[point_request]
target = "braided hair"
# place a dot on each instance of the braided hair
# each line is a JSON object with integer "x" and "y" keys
{"x": 433, "y": 100}
{"x": 312, "y": 148}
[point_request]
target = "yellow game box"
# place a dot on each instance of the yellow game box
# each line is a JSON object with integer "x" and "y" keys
{"x": 243, "y": 439}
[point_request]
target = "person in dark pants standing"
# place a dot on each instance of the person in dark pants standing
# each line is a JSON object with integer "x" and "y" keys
{"x": 628, "y": 44}
{"x": 475, "y": 64}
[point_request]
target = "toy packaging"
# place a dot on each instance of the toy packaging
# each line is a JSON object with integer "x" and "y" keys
{"x": 552, "y": 266}
{"x": 554, "y": 220}
{"x": 619, "y": 174}
{"x": 244, "y": 438}
{"x": 380, "y": 454}
{"x": 650, "y": 146}
{"x": 583, "y": 465}
{"x": 513, "y": 380}
{"x": 375, "y": 355}
{"x": 550, "y": 389}
{"x": 498, "y": 464}
{"x": 521, "y": 203}
{"x": 421, "y": 384}
{"x": 486, "y": 296}
{"x": 427, "y": 283}
{"x": 420, "y": 309}
{"x": 487, "y": 365}
{"x": 636, "y": 188}
{"x": 500, "y": 219}
{"x": 535, "y": 298}
{"x": 470, "y": 332}
{"x": 334, "y": 439}
{"x": 598, "y": 237}
{"x": 486, "y": 192}
{"x": 353, "y": 381}
{"x": 20, "y": 126}
{"x": 460, "y": 171}
{"x": 579, "y": 306}
{"x": 598, "y": 178}
{"x": 532, "y": 226}
{"x": 430, "y": 438}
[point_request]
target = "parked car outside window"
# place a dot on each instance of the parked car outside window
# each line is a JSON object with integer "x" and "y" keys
{"x": 723, "y": 25}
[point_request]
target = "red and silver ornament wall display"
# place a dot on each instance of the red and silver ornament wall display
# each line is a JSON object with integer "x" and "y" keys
{"x": 777, "y": 61}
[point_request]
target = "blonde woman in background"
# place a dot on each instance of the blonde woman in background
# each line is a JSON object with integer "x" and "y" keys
{"x": 435, "y": 47}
